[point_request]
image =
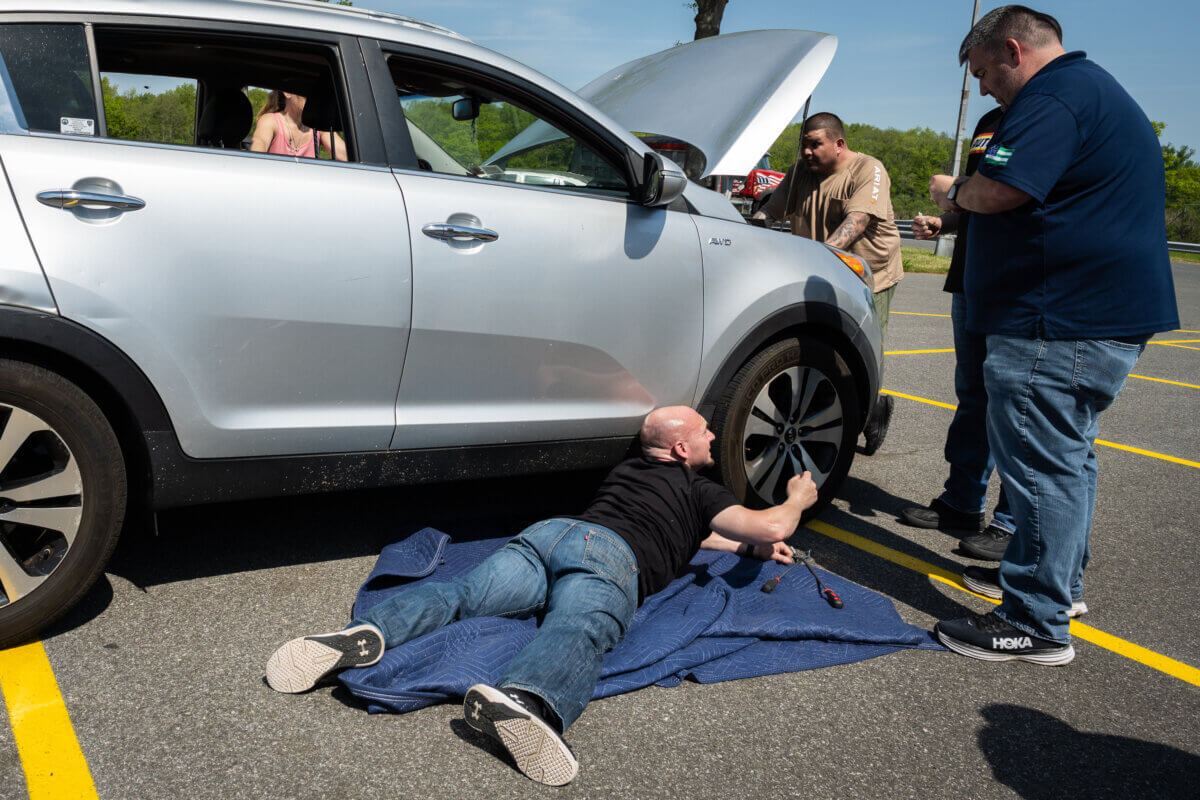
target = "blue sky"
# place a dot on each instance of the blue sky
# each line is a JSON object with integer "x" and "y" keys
{"x": 896, "y": 64}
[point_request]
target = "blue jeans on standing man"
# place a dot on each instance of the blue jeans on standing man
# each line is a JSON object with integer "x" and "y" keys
{"x": 582, "y": 577}
{"x": 1045, "y": 397}
{"x": 967, "y": 449}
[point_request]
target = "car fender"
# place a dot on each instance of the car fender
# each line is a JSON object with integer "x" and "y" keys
{"x": 761, "y": 285}
{"x": 22, "y": 282}
{"x": 67, "y": 346}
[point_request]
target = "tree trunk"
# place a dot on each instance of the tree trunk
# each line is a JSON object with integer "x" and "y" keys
{"x": 708, "y": 17}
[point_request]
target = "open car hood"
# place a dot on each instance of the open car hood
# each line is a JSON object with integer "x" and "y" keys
{"x": 728, "y": 96}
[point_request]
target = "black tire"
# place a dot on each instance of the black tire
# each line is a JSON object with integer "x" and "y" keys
{"x": 785, "y": 445}
{"x": 60, "y": 465}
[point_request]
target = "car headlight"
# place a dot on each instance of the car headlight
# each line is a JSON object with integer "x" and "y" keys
{"x": 856, "y": 265}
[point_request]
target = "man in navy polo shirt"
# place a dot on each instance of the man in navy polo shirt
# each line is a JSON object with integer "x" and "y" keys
{"x": 1069, "y": 279}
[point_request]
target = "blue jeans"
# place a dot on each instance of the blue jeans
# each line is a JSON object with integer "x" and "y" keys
{"x": 1045, "y": 397}
{"x": 583, "y": 577}
{"x": 967, "y": 449}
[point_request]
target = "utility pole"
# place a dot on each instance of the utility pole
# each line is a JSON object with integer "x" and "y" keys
{"x": 962, "y": 106}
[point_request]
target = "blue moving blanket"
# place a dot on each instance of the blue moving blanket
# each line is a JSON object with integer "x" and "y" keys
{"x": 711, "y": 624}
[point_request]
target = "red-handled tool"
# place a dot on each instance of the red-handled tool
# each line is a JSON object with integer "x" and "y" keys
{"x": 770, "y": 585}
{"x": 829, "y": 594}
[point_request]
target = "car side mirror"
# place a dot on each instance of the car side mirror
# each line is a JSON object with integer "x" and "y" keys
{"x": 465, "y": 109}
{"x": 662, "y": 181}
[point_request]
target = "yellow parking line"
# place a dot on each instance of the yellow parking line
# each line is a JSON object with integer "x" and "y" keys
{"x": 914, "y": 352}
{"x": 1180, "y": 346}
{"x": 1163, "y": 380}
{"x": 919, "y": 399}
{"x": 918, "y": 314}
{"x": 1127, "y": 448}
{"x": 1175, "y": 341}
{"x": 1177, "y": 330}
{"x": 1134, "y": 652}
{"x": 1151, "y": 453}
{"x": 55, "y": 768}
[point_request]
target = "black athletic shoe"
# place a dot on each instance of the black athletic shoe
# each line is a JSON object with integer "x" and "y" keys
{"x": 988, "y": 545}
{"x": 939, "y": 515}
{"x": 504, "y": 715}
{"x": 986, "y": 581}
{"x": 877, "y": 424}
{"x": 299, "y": 664}
{"x": 989, "y": 638}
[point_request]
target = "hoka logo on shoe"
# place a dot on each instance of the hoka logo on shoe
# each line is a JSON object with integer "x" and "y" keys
{"x": 1011, "y": 642}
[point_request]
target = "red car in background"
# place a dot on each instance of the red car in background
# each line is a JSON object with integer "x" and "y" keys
{"x": 757, "y": 188}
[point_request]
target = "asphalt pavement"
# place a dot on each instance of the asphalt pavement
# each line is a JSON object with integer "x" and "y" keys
{"x": 161, "y": 667}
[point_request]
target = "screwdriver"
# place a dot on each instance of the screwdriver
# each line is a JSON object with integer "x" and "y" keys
{"x": 829, "y": 594}
{"x": 770, "y": 585}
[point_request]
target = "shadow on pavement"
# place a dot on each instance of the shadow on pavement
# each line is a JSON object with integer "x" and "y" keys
{"x": 1040, "y": 757}
{"x": 203, "y": 541}
{"x": 899, "y": 583}
{"x": 480, "y": 741}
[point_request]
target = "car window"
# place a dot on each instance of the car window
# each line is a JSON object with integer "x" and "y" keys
{"x": 178, "y": 87}
{"x": 184, "y": 87}
{"x": 461, "y": 128}
{"x": 51, "y": 75}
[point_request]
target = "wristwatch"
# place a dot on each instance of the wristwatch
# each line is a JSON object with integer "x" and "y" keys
{"x": 952, "y": 194}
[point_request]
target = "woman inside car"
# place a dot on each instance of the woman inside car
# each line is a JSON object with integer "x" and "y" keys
{"x": 279, "y": 130}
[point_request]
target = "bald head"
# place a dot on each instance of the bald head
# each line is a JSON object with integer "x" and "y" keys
{"x": 677, "y": 433}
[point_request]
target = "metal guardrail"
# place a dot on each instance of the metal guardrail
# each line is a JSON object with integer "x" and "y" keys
{"x": 905, "y": 227}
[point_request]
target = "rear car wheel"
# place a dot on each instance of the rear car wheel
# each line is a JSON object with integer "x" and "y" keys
{"x": 792, "y": 407}
{"x": 62, "y": 497}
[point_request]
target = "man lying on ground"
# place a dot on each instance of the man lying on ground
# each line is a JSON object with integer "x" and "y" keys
{"x": 585, "y": 576}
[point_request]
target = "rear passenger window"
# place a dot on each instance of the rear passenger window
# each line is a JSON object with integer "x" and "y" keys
{"x": 178, "y": 87}
{"x": 235, "y": 93}
{"x": 51, "y": 75}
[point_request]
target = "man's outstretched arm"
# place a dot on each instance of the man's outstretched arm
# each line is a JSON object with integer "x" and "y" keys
{"x": 769, "y": 525}
{"x": 779, "y": 551}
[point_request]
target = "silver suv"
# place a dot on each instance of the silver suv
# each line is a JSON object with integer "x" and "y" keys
{"x": 490, "y": 276}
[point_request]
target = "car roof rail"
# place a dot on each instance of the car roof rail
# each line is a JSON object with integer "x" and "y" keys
{"x": 382, "y": 16}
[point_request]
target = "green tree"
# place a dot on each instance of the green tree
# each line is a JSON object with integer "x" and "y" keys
{"x": 1183, "y": 190}
{"x": 168, "y": 117}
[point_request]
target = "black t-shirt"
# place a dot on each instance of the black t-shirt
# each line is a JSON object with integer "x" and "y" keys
{"x": 979, "y": 145}
{"x": 663, "y": 510}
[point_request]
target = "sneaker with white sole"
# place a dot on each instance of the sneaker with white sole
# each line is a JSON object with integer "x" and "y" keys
{"x": 538, "y": 750}
{"x": 299, "y": 664}
{"x": 989, "y": 638}
{"x": 986, "y": 581}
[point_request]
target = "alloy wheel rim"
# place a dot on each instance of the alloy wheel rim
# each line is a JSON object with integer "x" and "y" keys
{"x": 796, "y": 423}
{"x": 41, "y": 502}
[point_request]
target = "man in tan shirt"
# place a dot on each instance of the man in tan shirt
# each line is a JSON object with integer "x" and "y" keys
{"x": 843, "y": 198}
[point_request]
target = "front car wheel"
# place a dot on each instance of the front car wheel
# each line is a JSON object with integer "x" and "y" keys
{"x": 791, "y": 408}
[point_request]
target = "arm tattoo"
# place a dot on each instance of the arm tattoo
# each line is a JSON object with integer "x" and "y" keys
{"x": 848, "y": 232}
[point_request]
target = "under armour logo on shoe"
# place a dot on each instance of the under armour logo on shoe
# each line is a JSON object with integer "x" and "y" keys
{"x": 475, "y": 711}
{"x": 362, "y": 644}
{"x": 1011, "y": 642}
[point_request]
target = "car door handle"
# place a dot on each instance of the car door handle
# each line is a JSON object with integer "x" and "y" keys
{"x": 73, "y": 198}
{"x": 448, "y": 232}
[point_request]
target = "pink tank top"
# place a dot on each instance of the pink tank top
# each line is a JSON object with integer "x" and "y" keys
{"x": 281, "y": 146}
